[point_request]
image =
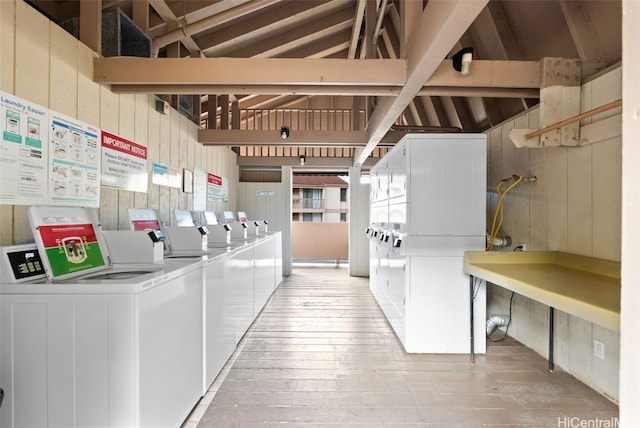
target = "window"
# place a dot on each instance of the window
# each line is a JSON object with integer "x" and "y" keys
{"x": 312, "y": 217}
{"x": 343, "y": 217}
{"x": 343, "y": 194}
{"x": 311, "y": 198}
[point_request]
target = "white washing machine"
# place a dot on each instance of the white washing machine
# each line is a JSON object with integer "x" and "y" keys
{"x": 179, "y": 242}
{"x": 96, "y": 344}
{"x": 228, "y": 289}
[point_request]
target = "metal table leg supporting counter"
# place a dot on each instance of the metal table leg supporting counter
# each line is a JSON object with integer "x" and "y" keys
{"x": 471, "y": 318}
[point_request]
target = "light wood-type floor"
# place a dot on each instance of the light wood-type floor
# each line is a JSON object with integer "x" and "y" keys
{"x": 322, "y": 354}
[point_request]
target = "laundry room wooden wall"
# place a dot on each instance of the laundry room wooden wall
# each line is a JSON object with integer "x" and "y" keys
{"x": 42, "y": 63}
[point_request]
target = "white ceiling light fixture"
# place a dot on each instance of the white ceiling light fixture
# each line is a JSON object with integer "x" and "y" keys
{"x": 462, "y": 61}
{"x": 284, "y": 132}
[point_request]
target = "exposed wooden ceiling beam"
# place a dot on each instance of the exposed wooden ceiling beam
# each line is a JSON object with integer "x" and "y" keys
{"x": 332, "y": 90}
{"x": 162, "y": 9}
{"x": 297, "y": 138}
{"x": 248, "y": 71}
{"x": 278, "y": 22}
{"x": 207, "y": 23}
{"x": 384, "y": 77}
{"x": 357, "y": 27}
{"x": 584, "y": 36}
{"x": 441, "y": 25}
{"x": 236, "y": 137}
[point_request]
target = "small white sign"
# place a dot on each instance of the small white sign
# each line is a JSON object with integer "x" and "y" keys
{"x": 264, "y": 193}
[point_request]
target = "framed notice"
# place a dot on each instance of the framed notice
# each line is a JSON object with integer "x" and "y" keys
{"x": 187, "y": 181}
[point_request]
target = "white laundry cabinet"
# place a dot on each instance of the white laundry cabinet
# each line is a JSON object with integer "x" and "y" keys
{"x": 428, "y": 206}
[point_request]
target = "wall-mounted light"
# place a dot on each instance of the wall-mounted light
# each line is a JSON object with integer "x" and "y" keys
{"x": 302, "y": 159}
{"x": 462, "y": 61}
{"x": 284, "y": 132}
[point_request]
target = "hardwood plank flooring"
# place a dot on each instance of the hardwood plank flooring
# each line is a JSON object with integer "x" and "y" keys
{"x": 322, "y": 354}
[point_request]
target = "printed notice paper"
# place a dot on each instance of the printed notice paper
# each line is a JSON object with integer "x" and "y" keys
{"x": 124, "y": 163}
{"x": 199, "y": 189}
{"x": 215, "y": 188}
{"x": 74, "y": 169}
{"x": 23, "y": 151}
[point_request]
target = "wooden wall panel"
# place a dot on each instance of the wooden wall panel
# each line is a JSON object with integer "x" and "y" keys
{"x": 153, "y": 153}
{"x": 63, "y": 85}
{"x": 88, "y": 94}
{"x": 32, "y": 55}
{"x": 165, "y": 158}
{"x": 185, "y": 143}
{"x": 141, "y": 136}
{"x": 109, "y": 121}
{"x": 557, "y": 199}
{"x": 7, "y": 41}
{"x": 174, "y": 161}
{"x": 580, "y": 201}
{"x": 607, "y": 197}
{"x": 126, "y": 129}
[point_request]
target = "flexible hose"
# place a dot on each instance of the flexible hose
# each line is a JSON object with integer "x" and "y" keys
{"x": 495, "y": 228}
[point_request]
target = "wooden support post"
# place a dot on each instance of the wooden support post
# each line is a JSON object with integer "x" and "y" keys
{"x": 91, "y": 24}
{"x": 212, "y": 111}
{"x": 559, "y": 100}
{"x": 223, "y": 102}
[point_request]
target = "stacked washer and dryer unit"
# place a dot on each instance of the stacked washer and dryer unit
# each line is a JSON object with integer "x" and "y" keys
{"x": 427, "y": 207}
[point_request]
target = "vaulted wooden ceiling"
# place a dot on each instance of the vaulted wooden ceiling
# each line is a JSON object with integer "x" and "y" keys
{"x": 347, "y": 77}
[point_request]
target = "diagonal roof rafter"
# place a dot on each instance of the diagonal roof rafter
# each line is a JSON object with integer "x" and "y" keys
{"x": 441, "y": 25}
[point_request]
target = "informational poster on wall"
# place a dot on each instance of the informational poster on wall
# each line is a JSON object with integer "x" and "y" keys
{"x": 225, "y": 190}
{"x": 175, "y": 177}
{"x": 215, "y": 188}
{"x": 24, "y": 133}
{"x": 74, "y": 162}
{"x": 199, "y": 189}
{"x": 160, "y": 174}
{"x": 164, "y": 175}
{"x": 124, "y": 163}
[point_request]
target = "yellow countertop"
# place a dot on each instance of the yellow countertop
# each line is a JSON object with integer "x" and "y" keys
{"x": 586, "y": 287}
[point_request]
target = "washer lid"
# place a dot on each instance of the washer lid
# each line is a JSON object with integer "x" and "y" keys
{"x": 69, "y": 240}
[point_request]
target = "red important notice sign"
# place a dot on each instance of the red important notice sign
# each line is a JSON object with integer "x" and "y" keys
{"x": 124, "y": 163}
{"x": 214, "y": 179}
{"x": 114, "y": 142}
